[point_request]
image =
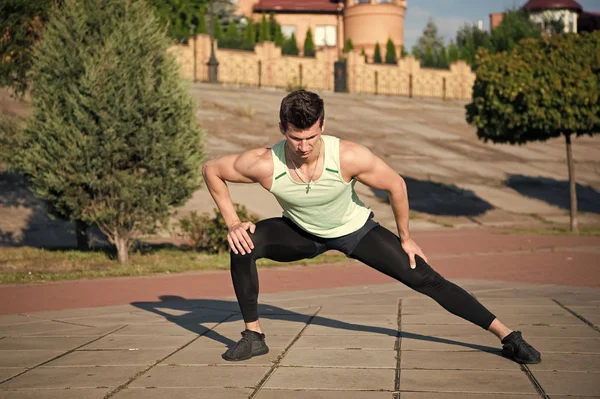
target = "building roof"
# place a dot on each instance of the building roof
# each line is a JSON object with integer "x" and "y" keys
{"x": 539, "y": 5}
{"x": 297, "y": 5}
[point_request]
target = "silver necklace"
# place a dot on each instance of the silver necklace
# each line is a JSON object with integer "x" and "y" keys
{"x": 300, "y": 174}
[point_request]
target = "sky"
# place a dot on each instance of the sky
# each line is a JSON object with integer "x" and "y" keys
{"x": 449, "y": 15}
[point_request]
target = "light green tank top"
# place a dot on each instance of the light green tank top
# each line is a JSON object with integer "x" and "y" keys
{"x": 331, "y": 207}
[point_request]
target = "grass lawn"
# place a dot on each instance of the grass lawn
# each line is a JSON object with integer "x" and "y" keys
{"x": 26, "y": 264}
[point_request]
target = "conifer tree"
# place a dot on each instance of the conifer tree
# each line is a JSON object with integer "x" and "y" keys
{"x": 232, "y": 33}
{"x": 290, "y": 46}
{"x": 279, "y": 39}
{"x": 218, "y": 29}
{"x": 265, "y": 32}
{"x": 309, "y": 44}
{"x": 113, "y": 139}
{"x": 377, "y": 55}
{"x": 201, "y": 28}
{"x": 443, "y": 58}
{"x": 452, "y": 52}
{"x": 390, "y": 52}
{"x": 348, "y": 46}
{"x": 250, "y": 33}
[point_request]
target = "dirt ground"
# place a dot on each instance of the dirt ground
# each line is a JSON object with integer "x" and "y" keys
{"x": 454, "y": 180}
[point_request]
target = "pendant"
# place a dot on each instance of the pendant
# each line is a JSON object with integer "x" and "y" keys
{"x": 307, "y": 187}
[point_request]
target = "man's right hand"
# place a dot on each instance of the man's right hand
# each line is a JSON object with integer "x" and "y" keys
{"x": 238, "y": 237}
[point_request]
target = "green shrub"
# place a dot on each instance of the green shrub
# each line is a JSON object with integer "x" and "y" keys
{"x": 209, "y": 233}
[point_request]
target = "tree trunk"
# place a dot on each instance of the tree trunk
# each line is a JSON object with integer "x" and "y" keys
{"x": 572, "y": 185}
{"x": 81, "y": 233}
{"x": 122, "y": 249}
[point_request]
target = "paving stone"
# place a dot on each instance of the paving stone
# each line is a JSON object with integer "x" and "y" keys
{"x": 379, "y": 324}
{"x": 43, "y": 343}
{"x": 78, "y": 332}
{"x": 164, "y": 376}
{"x": 71, "y": 393}
{"x": 333, "y": 311}
{"x": 7, "y": 372}
{"x": 212, "y": 356}
{"x": 139, "y": 342}
{"x": 457, "y": 343}
{"x": 340, "y": 358}
{"x": 183, "y": 393}
{"x": 571, "y": 345}
{"x": 590, "y": 313}
{"x": 447, "y": 330}
{"x": 569, "y": 383}
{"x": 116, "y": 319}
{"x": 508, "y": 319}
{"x": 345, "y": 342}
{"x": 463, "y": 395}
{"x": 17, "y": 330}
{"x": 25, "y": 358}
{"x": 455, "y": 361}
{"x": 581, "y": 331}
{"x": 110, "y": 358}
{"x": 159, "y": 329}
{"x": 472, "y": 381}
{"x": 67, "y": 377}
{"x": 315, "y": 394}
{"x": 568, "y": 362}
{"x": 7, "y": 320}
{"x": 331, "y": 378}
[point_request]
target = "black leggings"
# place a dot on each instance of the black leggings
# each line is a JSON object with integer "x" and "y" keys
{"x": 281, "y": 240}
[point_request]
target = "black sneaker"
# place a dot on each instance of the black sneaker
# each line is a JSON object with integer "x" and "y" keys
{"x": 251, "y": 344}
{"x": 514, "y": 347}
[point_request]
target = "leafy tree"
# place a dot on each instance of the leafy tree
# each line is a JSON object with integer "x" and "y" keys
{"x": 309, "y": 44}
{"x": 452, "y": 52}
{"x": 544, "y": 88}
{"x": 429, "y": 40}
{"x": 264, "y": 32}
{"x": 515, "y": 26}
{"x": 21, "y": 26}
{"x": 348, "y": 46}
{"x": 218, "y": 33}
{"x": 469, "y": 38}
{"x": 377, "y": 54}
{"x": 442, "y": 61}
{"x": 290, "y": 46}
{"x": 390, "y": 52}
{"x": 112, "y": 141}
{"x": 428, "y": 60}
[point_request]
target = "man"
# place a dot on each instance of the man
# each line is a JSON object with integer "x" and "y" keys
{"x": 312, "y": 177}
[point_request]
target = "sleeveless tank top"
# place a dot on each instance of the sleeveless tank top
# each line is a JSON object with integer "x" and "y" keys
{"x": 331, "y": 208}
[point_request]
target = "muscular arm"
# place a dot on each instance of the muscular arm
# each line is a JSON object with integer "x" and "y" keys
{"x": 359, "y": 162}
{"x": 252, "y": 166}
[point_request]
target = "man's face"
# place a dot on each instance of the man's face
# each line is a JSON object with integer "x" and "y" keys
{"x": 302, "y": 142}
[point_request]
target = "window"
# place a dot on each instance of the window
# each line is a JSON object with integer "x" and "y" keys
{"x": 288, "y": 30}
{"x": 325, "y": 35}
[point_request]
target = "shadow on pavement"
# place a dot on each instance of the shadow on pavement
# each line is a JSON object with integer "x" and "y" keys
{"x": 441, "y": 199}
{"x": 192, "y": 312}
{"x": 555, "y": 192}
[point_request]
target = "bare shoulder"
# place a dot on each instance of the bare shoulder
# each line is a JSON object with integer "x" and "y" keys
{"x": 351, "y": 152}
{"x": 257, "y": 162}
{"x": 354, "y": 158}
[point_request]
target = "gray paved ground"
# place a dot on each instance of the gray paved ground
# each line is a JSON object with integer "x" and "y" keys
{"x": 336, "y": 343}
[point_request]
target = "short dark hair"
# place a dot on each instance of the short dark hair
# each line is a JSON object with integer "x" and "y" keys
{"x": 301, "y": 109}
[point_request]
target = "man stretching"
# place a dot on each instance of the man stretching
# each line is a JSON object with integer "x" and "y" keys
{"x": 312, "y": 176}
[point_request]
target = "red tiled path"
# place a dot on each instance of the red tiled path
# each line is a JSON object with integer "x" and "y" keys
{"x": 468, "y": 253}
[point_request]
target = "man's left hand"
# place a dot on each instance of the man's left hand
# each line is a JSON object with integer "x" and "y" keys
{"x": 412, "y": 249}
